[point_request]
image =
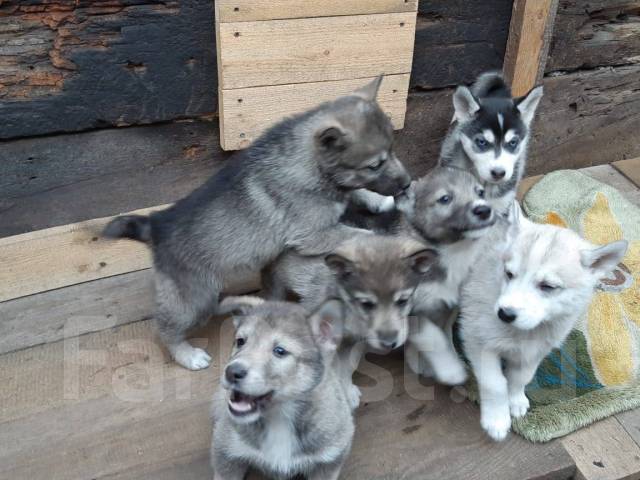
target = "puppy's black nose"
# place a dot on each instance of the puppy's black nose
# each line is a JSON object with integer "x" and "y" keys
{"x": 482, "y": 212}
{"x": 388, "y": 338}
{"x": 498, "y": 173}
{"x": 507, "y": 315}
{"x": 235, "y": 372}
{"x": 406, "y": 183}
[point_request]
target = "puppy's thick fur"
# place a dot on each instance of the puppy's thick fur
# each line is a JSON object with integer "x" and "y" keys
{"x": 447, "y": 209}
{"x": 521, "y": 300}
{"x": 283, "y": 408}
{"x": 287, "y": 190}
{"x": 375, "y": 276}
{"x": 490, "y": 136}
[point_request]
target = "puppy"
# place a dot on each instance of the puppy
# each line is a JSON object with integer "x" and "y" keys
{"x": 490, "y": 136}
{"x": 286, "y": 191}
{"x": 448, "y": 210}
{"x": 282, "y": 408}
{"x": 375, "y": 276}
{"x": 521, "y": 300}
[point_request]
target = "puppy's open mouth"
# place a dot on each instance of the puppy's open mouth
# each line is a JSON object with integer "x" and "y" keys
{"x": 242, "y": 404}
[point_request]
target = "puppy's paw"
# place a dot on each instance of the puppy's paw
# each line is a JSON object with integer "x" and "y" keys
{"x": 452, "y": 373}
{"x": 519, "y": 405}
{"x": 385, "y": 205}
{"x": 191, "y": 358}
{"x": 353, "y": 396}
{"x": 496, "y": 424}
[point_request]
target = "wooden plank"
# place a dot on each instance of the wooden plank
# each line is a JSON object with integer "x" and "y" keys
{"x": 252, "y": 10}
{"x": 630, "y": 169}
{"x": 529, "y": 35}
{"x": 591, "y": 34}
{"x": 70, "y": 66}
{"x": 471, "y": 36}
{"x": 98, "y": 305}
{"x": 604, "y": 451}
{"x": 51, "y": 181}
{"x": 315, "y": 49}
{"x": 247, "y": 112}
{"x": 585, "y": 118}
{"x": 630, "y": 421}
{"x": 60, "y": 256}
{"x": 132, "y": 415}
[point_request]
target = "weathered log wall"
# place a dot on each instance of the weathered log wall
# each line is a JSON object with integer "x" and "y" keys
{"x": 155, "y": 62}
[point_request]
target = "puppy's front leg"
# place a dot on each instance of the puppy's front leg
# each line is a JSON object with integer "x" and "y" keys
{"x": 327, "y": 472}
{"x": 431, "y": 342}
{"x": 518, "y": 376}
{"x": 349, "y": 357}
{"x": 494, "y": 398}
{"x": 327, "y": 240}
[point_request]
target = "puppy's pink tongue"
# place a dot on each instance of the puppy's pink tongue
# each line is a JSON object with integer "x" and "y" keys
{"x": 241, "y": 405}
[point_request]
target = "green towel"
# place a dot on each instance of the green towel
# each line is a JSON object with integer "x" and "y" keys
{"x": 596, "y": 372}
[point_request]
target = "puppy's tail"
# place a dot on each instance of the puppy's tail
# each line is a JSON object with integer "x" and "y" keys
{"x": 491, "y": 84}
{"x": 135, "y": 227}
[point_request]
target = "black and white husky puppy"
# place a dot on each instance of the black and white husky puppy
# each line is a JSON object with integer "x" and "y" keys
{"x": 490, "y": 135}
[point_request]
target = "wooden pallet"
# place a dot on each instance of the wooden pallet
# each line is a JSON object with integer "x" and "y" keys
{"x": 280, "y": 58}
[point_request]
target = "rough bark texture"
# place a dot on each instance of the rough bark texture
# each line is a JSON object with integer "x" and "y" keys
{"x": 591, "y": 33}
{"x": 68, "y": 65}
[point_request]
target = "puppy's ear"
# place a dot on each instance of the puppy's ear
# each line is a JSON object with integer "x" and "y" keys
{"x": 527, "y": 105}
{"x": 465, "y": 104}
{"x": 405, "y": 202}
{"x": 327, "y": 324}
{"x": 602, "y": 260}
{"x": 339, "y": 265}
{"x": 331, "y": 138}
{"x": 370, "y": 91}
{"x": 422, "y": 261}
{"x": 239, "y": 305}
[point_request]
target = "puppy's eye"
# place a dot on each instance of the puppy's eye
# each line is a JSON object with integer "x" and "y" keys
{"x": 481, "y": 142}
{"x": 513, "y": 143}
{"x": 367, "y": 304}
{"x": 401, "y": 302}
{"x": 280, "y": 352}
{"x": 240, "y": 342}
{"x": 546, "y": 287}
{"x": 376, "y": 166}
{"x": 481, "y": 192}
{"x": 444, "y": 200}
{"x": 508, "y": 274}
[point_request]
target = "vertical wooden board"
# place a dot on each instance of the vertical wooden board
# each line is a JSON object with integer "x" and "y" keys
{"x": 315, "y": 49}
{"x": 249, "y": 111}
{"x": 252, "y": 10}
{"x": 529, "y": 35}
{"x": 56, "y": 257}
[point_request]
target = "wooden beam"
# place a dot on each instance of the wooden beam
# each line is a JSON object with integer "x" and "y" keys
{"x": 529, "y": 36}
{"x": 252, "y": 10}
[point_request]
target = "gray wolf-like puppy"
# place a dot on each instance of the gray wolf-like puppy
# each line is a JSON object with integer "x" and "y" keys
{"x": 490, "y": 136}
{"x": 375, "y": 276}
{"x": 449, "y": 211}
{"x": 286, "y": 191}
{"x": 521, "y": 301}
{"x": 282, "y": 408}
